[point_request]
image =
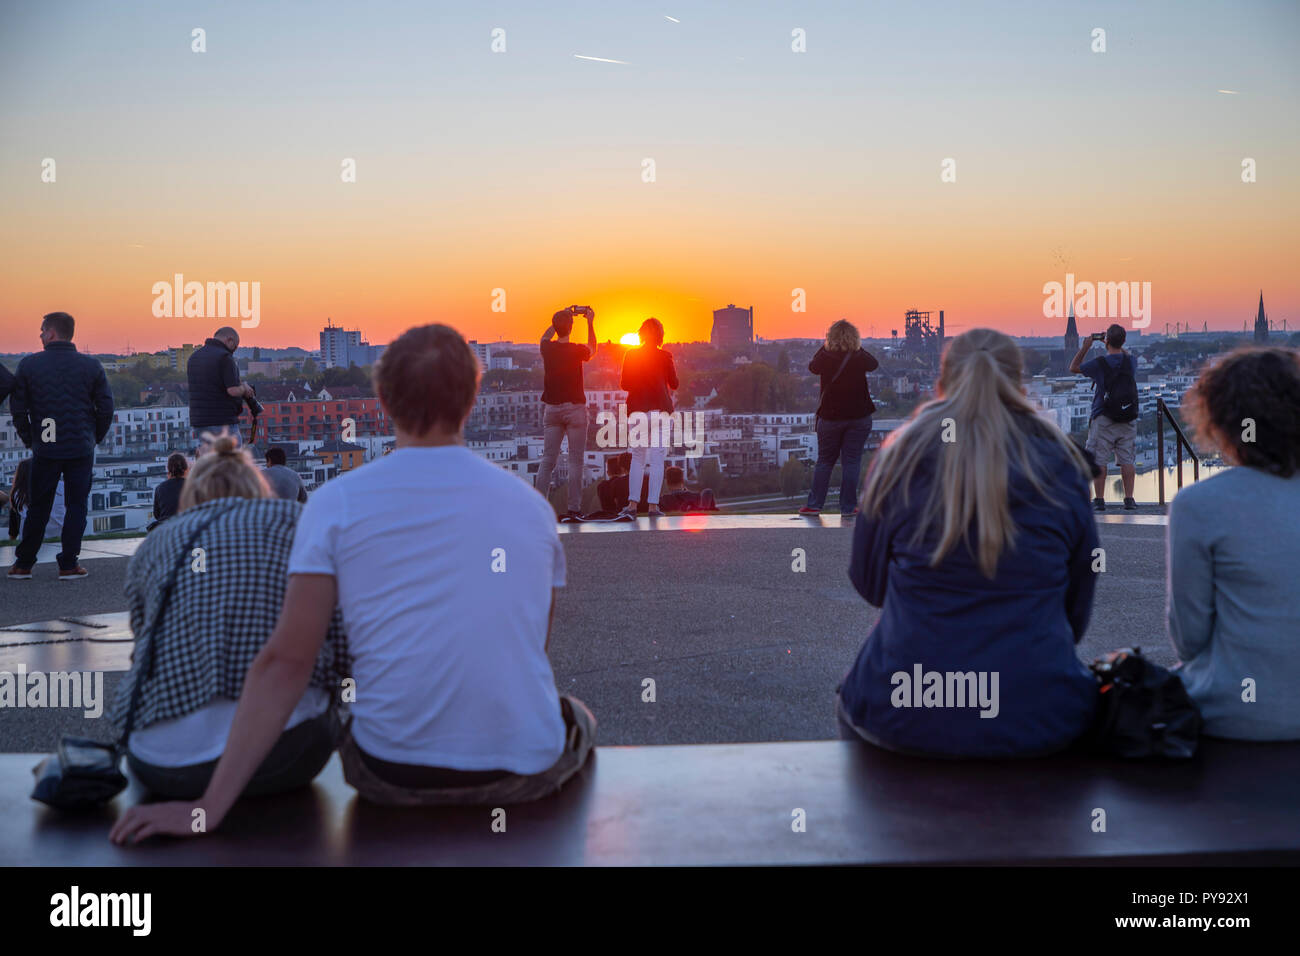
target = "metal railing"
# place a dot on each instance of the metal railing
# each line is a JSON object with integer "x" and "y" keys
{"x": 1180, "y": 442}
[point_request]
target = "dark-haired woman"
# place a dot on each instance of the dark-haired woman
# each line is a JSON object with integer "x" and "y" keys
{"x": 1234, "y": 550}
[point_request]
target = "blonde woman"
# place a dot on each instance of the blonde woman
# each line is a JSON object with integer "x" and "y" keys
{"x": 648, "y": 376}
{"x": 843, "y": 415}
{"x": 204, "y": 592}
{"x": 976, "y": 539}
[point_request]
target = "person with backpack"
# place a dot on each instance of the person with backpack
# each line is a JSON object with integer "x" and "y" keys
{"x": 843, "y": 415}
{"x": 1112, "y": 430}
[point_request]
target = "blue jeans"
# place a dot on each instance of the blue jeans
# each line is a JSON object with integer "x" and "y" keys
{"x": 843, "y": 440}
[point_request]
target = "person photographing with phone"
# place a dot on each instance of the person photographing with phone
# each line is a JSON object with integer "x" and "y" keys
{"x": 1112, "y": 430}
{"x": 565, "y": 401}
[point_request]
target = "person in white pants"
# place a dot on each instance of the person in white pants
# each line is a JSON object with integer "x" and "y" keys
{"x": 648, "y": 377}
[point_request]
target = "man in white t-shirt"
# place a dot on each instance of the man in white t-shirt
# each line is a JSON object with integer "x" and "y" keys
{"x": 443, "y": 566}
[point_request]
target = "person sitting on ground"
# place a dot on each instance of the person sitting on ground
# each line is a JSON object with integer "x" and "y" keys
{"x": 677, "y": 497}
{"x": 197, "y": 644}
{"x": 456, "y": 700}
{"x": 613, "y": 490}
{"x": 167, "y": 496}
{"x": 976, "y": 539}
{"x": 1233, "y": 607}
{"x": 284, "y": 481}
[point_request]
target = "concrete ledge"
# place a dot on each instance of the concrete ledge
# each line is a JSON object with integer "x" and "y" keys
{"x": 733, "y": 804}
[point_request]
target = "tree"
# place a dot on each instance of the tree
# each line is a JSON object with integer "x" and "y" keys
{"x": 792, "y": 477}
{"x": 309, "y": 368}
{"x": 711, "y": 475}
{"x": 783, "y": 362}
{"x": 758, "y": 388}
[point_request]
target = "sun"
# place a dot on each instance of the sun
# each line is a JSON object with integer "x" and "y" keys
{"x": 631, "y": 339}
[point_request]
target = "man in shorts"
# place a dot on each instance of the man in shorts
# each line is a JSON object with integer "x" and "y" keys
{"x": 1112, "y": 431}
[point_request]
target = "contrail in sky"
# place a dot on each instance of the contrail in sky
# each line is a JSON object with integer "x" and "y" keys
{"x": 598, "y": 59}
{"x": 1233, "y": 92}
{"x": 674, "y": 19}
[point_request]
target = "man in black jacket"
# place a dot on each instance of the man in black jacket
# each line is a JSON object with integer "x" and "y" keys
{"x": 216, "y": 394}
{"x": 62, "y": 409}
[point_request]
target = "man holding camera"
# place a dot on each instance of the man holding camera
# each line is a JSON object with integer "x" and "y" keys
{"x": 1113, "y": 426}
{"x": 216, "y": 394}
{"x": 565, "y": 401}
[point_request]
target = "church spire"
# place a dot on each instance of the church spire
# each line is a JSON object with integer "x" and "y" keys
{"x": 1071, "y": 333}
{"x": 1261, "y": 321}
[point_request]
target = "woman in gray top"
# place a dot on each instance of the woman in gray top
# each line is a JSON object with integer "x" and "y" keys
{"x": 1234, "y": 550}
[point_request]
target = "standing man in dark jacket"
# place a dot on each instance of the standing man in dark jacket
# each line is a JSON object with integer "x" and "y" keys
{"x": 62, "y": 409}
{"x": 216, "y": 393}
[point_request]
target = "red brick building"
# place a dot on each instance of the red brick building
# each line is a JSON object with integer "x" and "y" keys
{"x": 323, "y": 420}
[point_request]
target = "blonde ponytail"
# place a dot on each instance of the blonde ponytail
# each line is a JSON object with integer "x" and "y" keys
{"x": 976, "y": 433}
{"x": 224, "y": 471}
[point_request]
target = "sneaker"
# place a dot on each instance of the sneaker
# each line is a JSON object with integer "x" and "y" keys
{"x": 810, "y": 512}
{"x": 850, "y": 514}
{"x": 654, "y": 512}
{"x": 1130, "y": 504}
{"x": 20, "y": 574}
{"x": 1099, "y": 505}
{"x": 627, "y": 514}
{"x": 571, "y": 517}
{"x": 72, "y": 574}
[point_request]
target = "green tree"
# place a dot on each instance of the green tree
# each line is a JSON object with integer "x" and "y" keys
{"x": 309, "y": 368}
{"x": 711, "y": 475}
{"x": 758, "y": 388}
{"x": 792, "y": 477}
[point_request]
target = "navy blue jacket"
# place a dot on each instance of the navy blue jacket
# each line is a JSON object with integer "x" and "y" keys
{"x": 60, "y": 383}
{"x": 211, "y": 370}
{"x": 1023, "y": 624}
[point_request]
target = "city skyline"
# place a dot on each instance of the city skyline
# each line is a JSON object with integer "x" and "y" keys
{"x": 524, "y": 170}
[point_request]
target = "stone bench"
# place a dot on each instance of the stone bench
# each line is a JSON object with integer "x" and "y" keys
{"x": 1235, "y": 803}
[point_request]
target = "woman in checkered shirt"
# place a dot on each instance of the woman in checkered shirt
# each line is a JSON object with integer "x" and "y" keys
{"x": 229, "y": 585}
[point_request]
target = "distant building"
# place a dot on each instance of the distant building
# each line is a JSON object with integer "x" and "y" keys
{"x": 482, "y": 352}
{"x": 343, "y": 454}
{"x": 1261, "y": 321}
{"x": 340, "y": 348}
{"x": 733, "y": 328}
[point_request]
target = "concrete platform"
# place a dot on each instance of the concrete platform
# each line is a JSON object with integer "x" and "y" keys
{"x": 735, "y": 804}
{"x": 90, "y": 550}
{"x": 98, "y": 642}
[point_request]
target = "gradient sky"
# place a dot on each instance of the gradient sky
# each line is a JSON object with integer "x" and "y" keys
{"x": 522, "y": 170}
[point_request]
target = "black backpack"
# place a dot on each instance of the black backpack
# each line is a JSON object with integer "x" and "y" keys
{"x": 1119, "y": 391}
{"x": 1143, "y": 710}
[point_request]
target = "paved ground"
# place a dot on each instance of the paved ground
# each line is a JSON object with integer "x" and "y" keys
{"x": 740, "y": 647}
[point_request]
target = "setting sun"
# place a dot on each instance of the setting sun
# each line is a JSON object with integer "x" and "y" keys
{"x": 631, "y": 339}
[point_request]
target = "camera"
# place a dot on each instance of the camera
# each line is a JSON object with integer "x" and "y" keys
{"x": 578, "y": 309}
{"x": 1099, "y": 336}
{"x": 254, "y": 406}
